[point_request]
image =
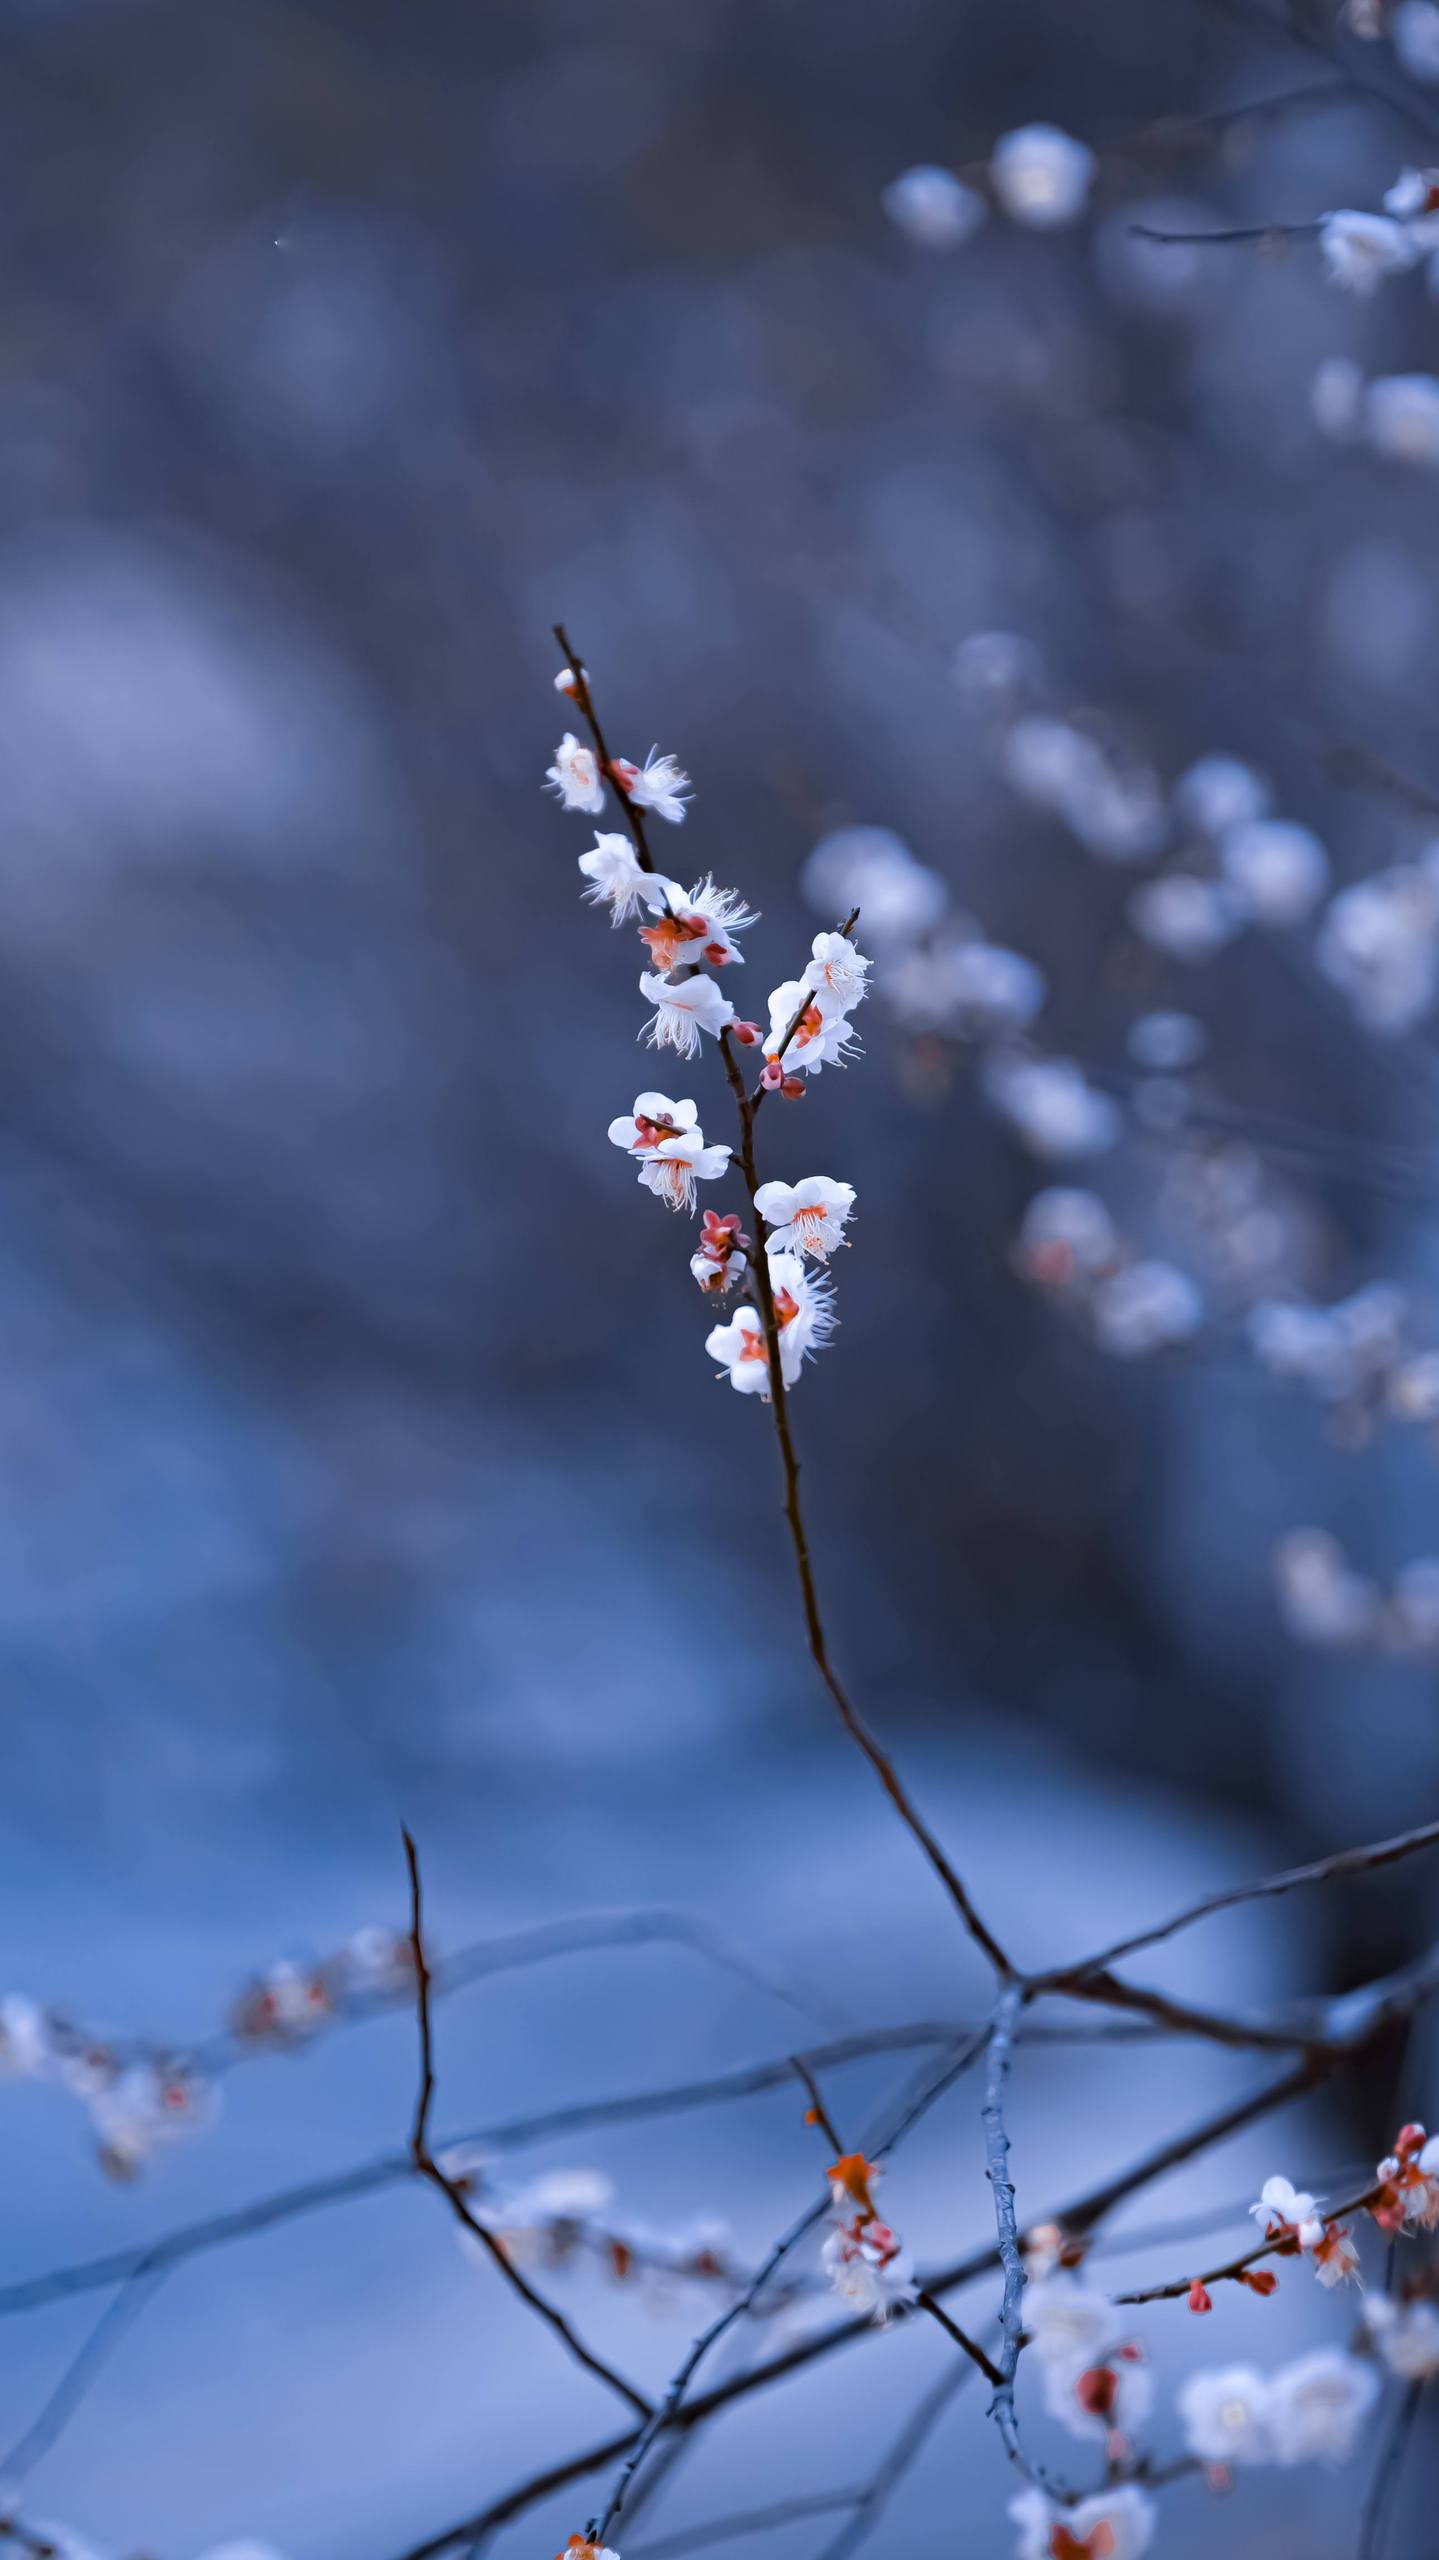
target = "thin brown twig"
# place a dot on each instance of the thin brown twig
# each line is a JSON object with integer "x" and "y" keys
{"x": 427, "y": 2166}
{"x": 1363, "y": 1860}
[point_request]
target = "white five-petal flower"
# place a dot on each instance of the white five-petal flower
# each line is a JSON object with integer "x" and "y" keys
{"x": 805, "y": 1217}
{"x": 1359, "y": 248}
{"x": 615, "y": 878}
{"x": 575, "y": 776}
{"x": 668, "y": 1147}
{"x": 818, "y": 1039}
{"x": 805, "y": 1317}
{"x": 1225, "y": 2415}
{"x": 684, "y": 1007}
{"x": 836, "y": 974}
{"x": 1286, "y": 2209}
{"x": 657, "y": 784}
{"x": 694, "y": 925}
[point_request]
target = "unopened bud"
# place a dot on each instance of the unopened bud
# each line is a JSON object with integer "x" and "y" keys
{"x": 771, "y": 1075}
{"x": 746, "y": 1033}
{"x": 1199, "y": 2296}
{"x": 792, "y": 1087}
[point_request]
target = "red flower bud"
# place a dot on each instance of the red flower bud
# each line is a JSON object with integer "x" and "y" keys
{"x": 1199, "y": 2297}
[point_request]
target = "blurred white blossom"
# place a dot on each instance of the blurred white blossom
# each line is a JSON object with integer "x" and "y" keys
{"x": 933, "y": 207}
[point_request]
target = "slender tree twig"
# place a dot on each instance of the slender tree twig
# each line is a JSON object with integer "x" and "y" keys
{"x": 428, "y": 2167}
{"x": 78, "y": 2378}
{"x": 707, "y": 2537}
{"x": 1344, "y": 1862}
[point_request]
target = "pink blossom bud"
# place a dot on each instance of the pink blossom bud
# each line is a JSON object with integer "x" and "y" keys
{"x": 1199, "y": 2296}
{"x": 793, "y": 1088}
{"x": 748, "y": 1034}
{"x": 771, "y": 1075}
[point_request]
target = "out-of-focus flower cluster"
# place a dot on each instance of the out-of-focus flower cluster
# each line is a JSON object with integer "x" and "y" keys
{"x": 567, "y": 2215}
{"x": 140, "y": 2097}
{"x": 1324, "y": 1602}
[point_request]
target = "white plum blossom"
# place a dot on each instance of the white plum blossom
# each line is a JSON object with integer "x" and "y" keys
{"x": 869, "y": 2269}
{"x": 657, "y": 784}
{"x": 1413, "y": 199}
{"x": 144, "y": 2107}
{"x": 805, "y": 1317}
{"x": 1051, "y": 1107}
{"x": 933, "y": 207}
{"x": 1322, "y": 1601}
{"x": 1219, "y": 792}
{"x": 993, "y": 665}
{"x": 806, "y": 1217}
{"x": 694, "y": 925}
{"x": 1070, "y": 2323}
{"x": 1336, "y": 398}
{"x": 1406, "y": 2335}
{"x": 1042, "y": 176}
{"x": 1414, "y": 33}
{"x": 684, "y": 1007}
{"x": 872, "y": 868}
{"x": 1068, "y": 1238}
{"x": 668, "y": 1148}
{"x": 1116, "y": 2524}
{"x": 968, "y": 987}
{"x": 1112, "y": 2397}
{"x": 1165, "y": 1042}
{"x": 1148, "y": 1306}
{"x": 1288, "y": 2210}
{"x": 1379, "y": 944}
{"x": 25, "y": 2045}
{"x": 723, "y": 1258}
{"x": 819, "y": 1039}
{"x": 1185, "y": 916}
{"x": 1318, "y": 2405}
{"x": 1225, "y": 2415}
{"x": 615, "y": 879}
{"x": 1360, "y": 248}
{"x": 835, "y": 974}
{"x": 579, "y": 2547}
{"x": 1401, "y": 417}
{"x": 1116, "y": 812}
{"x": 575, "y": 777}
{"x": 1280, "y": 870}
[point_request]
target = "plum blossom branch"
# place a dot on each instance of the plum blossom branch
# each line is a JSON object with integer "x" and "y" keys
{"x": 803, "y": 1015}
{"x": 1080, "y": 2215}
{"x": 428, "y": 2167}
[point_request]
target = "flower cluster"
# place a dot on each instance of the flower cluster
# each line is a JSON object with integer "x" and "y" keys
{"x": 1311, "y": 2410}
{"x": 566, "y": 2215}
{"x": 1038, "y": 175}
{"x": 136, "y": 2101}
{"x": 1095, "y": 2381}
{"x": 1324, "y": 1602}
{"x": 1291, "y": 2218}
{"x": 868, "y": 2266}
{"x": 1360, "y": 249}
{"x": 1134, "y": 1305}
{"x": 785, "y": 1302}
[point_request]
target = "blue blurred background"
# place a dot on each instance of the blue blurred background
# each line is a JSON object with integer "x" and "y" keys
{"x": 361, "y": 1461}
